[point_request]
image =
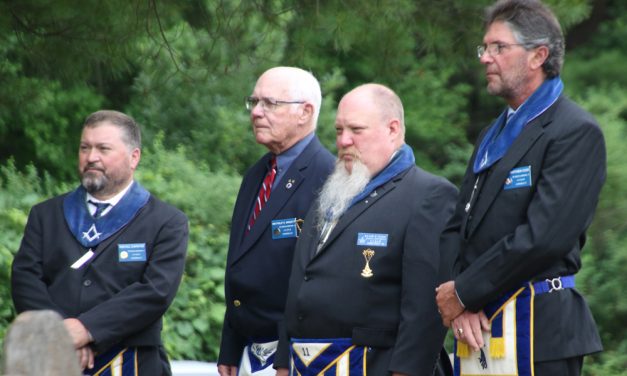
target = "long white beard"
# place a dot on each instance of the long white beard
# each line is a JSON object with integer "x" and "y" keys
{"x": 340, "y": 189}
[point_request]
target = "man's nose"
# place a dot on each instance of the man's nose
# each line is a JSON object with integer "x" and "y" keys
{"x": 344, "y": 139}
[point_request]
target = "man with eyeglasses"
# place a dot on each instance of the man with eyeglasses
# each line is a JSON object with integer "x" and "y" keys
{"x": 528, "y": 196}
{"x": 274, "y": 197}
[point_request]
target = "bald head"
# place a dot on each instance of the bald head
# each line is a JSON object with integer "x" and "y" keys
{"x": 369, "y": 126}
{"x": 385, "y": 100}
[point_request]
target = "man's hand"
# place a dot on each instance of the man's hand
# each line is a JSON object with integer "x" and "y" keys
{"x": 226, "y": 370}
{"x": 78, "y": 332}
{"x": 85, "y": 357}
{"x": 468, "y": 328}
{"x": 449, "y": 305}
{"x": 282, "y": 372}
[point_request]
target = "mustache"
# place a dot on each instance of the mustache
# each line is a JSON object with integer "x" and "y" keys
{"x": 349, "y": 153}
{"x": 93, "y": 166}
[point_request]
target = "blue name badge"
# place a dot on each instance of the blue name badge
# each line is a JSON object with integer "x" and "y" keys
{"x": 284, "y": 228}
{"x": 133, "y": 252}
{"x": 519, "y": 177}
{"x": 372, "y": 240}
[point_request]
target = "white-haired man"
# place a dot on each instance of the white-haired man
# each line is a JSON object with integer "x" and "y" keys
{"x": 274, "y": 196}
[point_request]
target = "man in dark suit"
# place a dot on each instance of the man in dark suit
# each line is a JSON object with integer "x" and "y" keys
{"x": 526, "y": 200}
{"x": 361, "y": 294}
{"x": 108, "y": 256}
{"x": 273, "y": 199}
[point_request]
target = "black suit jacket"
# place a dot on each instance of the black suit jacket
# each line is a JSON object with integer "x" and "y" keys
{"x": 120, "y": 303}
{"x": 509, "y": 237}
{"x": 258, "y": 267}
{"x": 394, "y": 311}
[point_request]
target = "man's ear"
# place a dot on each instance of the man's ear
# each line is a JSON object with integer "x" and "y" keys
{"x": 538, "y": 57}
{"x": 306, "y": 113}
{"x": 394, "y": 127}
{"x": 135, "y": 157}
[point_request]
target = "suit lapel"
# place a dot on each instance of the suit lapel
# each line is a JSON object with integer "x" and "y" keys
{"x": 282, "y": 191}
{"x": 250, "y": 191}
{"x": 491, "y": 188}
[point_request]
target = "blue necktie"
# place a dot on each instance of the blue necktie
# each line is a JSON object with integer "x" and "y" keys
{"x": 100, "y": 207}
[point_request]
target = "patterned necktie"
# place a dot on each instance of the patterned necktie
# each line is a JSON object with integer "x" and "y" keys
{"x": 100, "y": 207}
{"x": 264, "y": 193}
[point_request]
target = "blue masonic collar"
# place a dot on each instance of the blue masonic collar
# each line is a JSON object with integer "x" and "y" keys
{"x": 90, "y": 231}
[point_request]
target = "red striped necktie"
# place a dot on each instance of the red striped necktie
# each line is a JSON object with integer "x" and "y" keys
{"x": 264, "y": 193}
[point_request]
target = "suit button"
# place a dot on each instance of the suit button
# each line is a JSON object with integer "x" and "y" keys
{"x": 300, "y": 318}
{"x": 87, "y": 283}
{"x": 306, "y": 278}
{"x": 237, "y": 303}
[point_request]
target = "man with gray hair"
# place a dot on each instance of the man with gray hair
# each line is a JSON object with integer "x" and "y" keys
{"x": 107, "y": 256}
{"x": 361, "y": 294}
{"x": 274, "y": 197}
{"x": 527, "y": 198}
{"x": 37, "y": 343}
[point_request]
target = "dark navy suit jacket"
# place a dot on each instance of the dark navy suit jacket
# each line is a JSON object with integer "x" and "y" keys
{"x": 534, "y": 232}
{"x": 393, "y": 313}
{"x": 120, "y": 303}
{"x": 258, "y": 267}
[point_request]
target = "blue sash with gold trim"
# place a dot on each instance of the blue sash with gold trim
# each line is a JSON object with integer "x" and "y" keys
{"x": 327, "y": 357}
{"x": 115, "y": 362}
{"x": 508, "y": 349}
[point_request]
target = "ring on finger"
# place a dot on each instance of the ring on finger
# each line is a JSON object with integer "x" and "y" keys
{"x": 460, "y": 331}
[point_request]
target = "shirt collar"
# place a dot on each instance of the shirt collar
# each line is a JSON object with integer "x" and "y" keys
{"x": 113, "y": 200}
{"x": 285, "y": 159}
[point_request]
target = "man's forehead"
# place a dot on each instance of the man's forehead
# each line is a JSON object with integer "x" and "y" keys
{"x": 498, "y": 31}
{"x": 102, "y": 133}
{"x": 272, "y": 83}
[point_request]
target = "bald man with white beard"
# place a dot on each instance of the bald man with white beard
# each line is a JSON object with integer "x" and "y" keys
{"x": 360, "y": 297}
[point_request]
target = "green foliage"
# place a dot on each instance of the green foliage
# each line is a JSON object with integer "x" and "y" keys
{"x": 182, "y": 70}
{"x": 75, "y": 40}
{"x": 40, "y": 119}
{"x": 19, "y": 191}
{"x": 602, "y": 277}
{"x": 193, "y": 323}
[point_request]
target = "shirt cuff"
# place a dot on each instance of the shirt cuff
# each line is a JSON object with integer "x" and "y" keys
{"x": 460, "y": 300}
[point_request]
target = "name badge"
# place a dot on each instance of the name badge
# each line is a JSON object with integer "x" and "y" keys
{"x": 133, "y": 252}
{"x": 284, "y": 228}
{"x": 519, "y": 177}
{"x": 372, "y": 240}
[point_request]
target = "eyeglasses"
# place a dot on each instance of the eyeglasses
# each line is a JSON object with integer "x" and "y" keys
{"x": 267, "y": 104}
{"x": 494, "y": 49}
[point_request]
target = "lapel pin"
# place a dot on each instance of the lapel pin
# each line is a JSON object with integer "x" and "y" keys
{"x": 290, "y": 183}
{"x": 367, "y": 272}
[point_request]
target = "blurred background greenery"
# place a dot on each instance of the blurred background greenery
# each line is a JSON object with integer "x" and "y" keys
{"x": 182, "y": 69}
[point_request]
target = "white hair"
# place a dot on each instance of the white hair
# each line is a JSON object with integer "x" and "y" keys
{"x": 303, "y": 86}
